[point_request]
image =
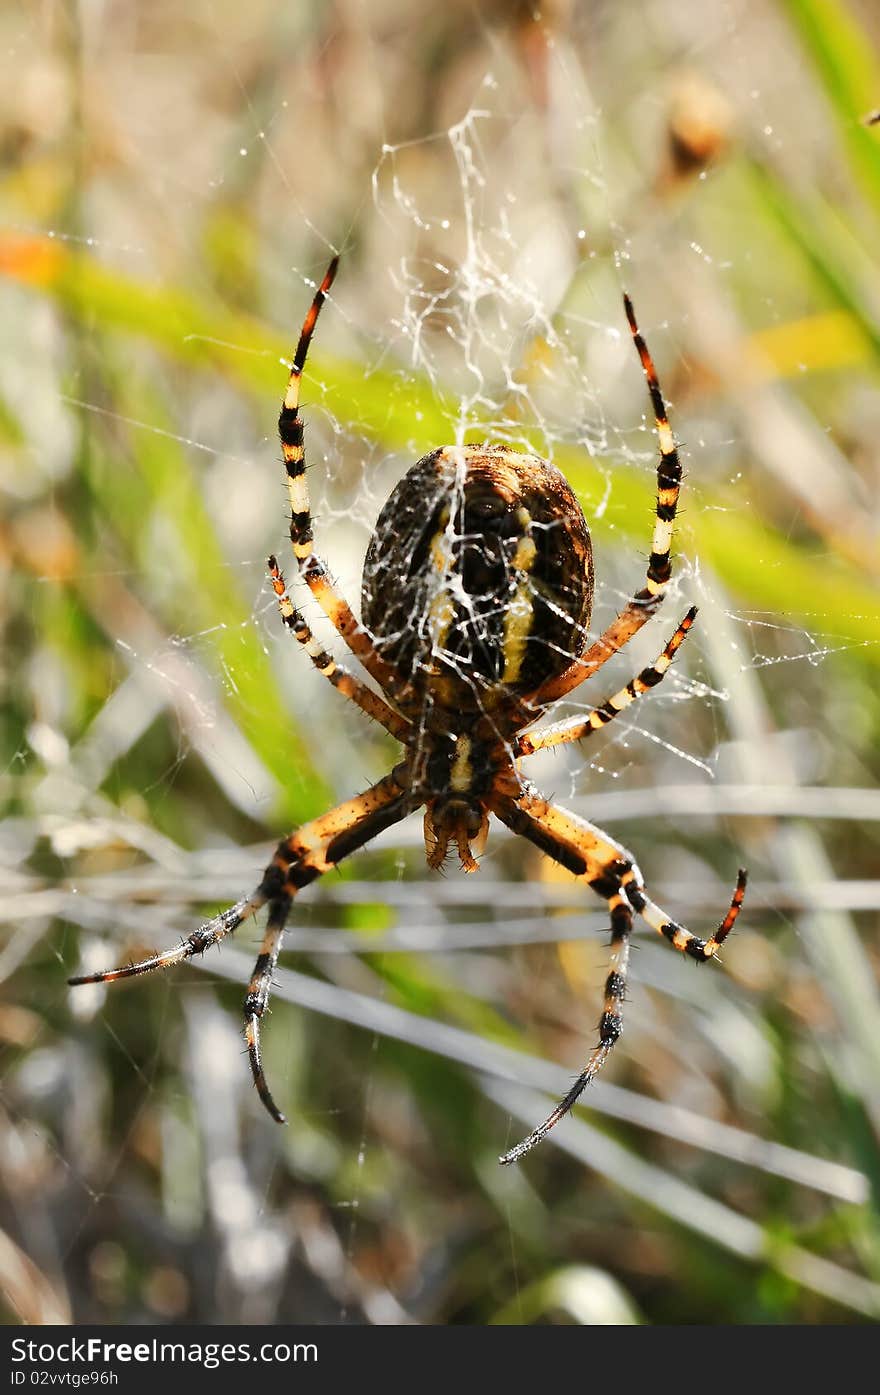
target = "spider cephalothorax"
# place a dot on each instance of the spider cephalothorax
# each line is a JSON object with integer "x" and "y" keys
{"x": 476, "y": 603}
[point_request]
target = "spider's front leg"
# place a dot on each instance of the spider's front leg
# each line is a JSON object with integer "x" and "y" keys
{"x": 300, "y": 859}
{"x": 638, "y": 611}
{"x": 611, "y": 871}
{"x": 291, "y": 430}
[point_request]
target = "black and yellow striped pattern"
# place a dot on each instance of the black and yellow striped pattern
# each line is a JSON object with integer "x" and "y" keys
{"x": 291, "y": 430}
{"x": 577, "y": 728}
{"x": 668, "y": 475}
{"x": 207, "y": 935}
{"x": 258, "y": 997}
{"x": 478, "y": 580}
{"x": 682, "y": 939}
{"x": 645, "y": 601}
{"x": 345, "y": 682}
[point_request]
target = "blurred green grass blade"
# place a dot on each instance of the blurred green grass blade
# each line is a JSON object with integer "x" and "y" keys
{"x": 842, "y": 54}
{"x": 395, "y": 407}
{"x": 765, "y": 571}
{"x": 165, "y": 483}
{"x": 421, "y": 987}
{"x": 812, "y": 344}
{"x": 845, "y": 269}
{"x": 11, "y": 431}
{"x": 404, "y": 411}
{"x": 695, "y": 1209}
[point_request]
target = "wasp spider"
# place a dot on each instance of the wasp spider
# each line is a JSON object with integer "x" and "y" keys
{"x": 476, "y": 602}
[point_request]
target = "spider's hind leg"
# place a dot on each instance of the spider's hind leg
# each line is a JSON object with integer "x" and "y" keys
{"x": 680, "y": 938}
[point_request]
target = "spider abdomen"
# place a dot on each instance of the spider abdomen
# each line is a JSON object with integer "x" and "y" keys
{"x": 479, "y": 573}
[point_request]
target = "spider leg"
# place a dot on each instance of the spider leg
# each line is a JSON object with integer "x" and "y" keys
{"x": 257, "y": 999}
{"x": 610, "y": 1027}
{"x": 639, "y": 610}
{"x": 291, "y": 430}
{"x": 207, "y": 935}
{"x": 299, "y": 859}
{"x": 611, "y": 871}
{"x": 576, "y": 728}
{"x": 346, "y": 683}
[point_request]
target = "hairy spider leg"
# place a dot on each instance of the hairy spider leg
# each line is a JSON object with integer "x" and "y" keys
{"x": 611, "y": 871}
{"x": 291, "y": 430}
{"x": 299, "y": 860}
{"x": 610, "y": 1027}
{"x": 344, "y": 681}
{"x": 207, "y": 935}
{"x": 576, "y": 728}
{"x": 643, "y": 604}
{"x": 257, "y": 999}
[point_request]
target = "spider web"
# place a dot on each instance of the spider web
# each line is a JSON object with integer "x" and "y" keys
{"x": 489, "y": 324}
{"x": 472, "y": 271}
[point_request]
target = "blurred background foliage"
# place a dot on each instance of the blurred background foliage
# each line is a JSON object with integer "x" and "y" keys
{"x": 173, "y": 181}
